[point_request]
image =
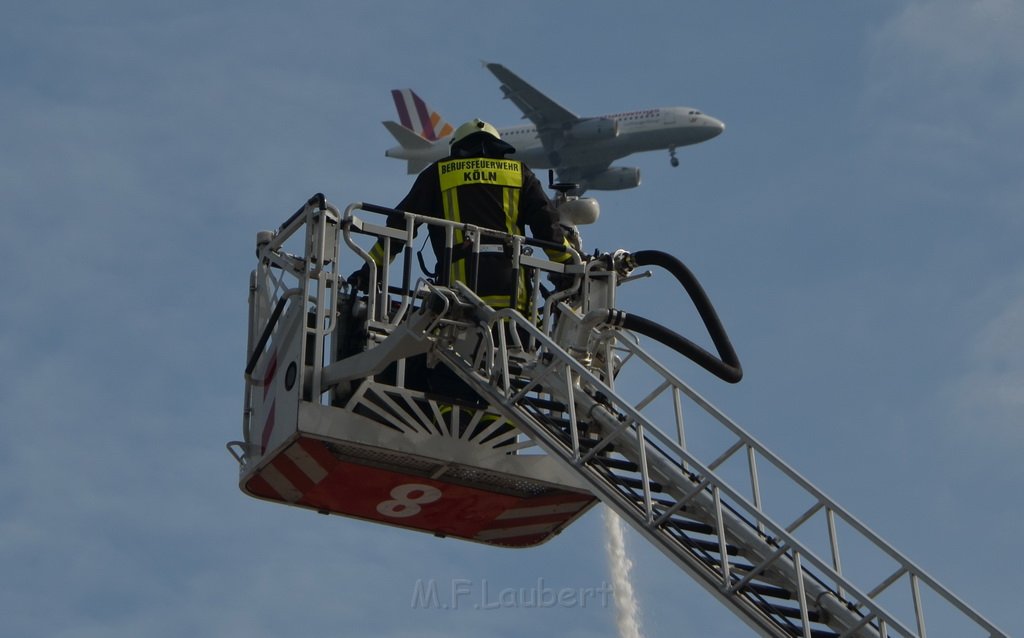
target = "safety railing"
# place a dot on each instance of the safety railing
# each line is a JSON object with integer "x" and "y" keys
{"x": 656, "y": 441}
{"x": 387, "y": 303}
{"x": 796, "y": 532}
{"x": 302, "y": 261}
{"x": 281, "y": 278}
{"x": 611, "y": 393}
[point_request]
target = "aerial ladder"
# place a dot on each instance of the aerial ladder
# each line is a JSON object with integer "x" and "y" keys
{"x": 417, "y": 405}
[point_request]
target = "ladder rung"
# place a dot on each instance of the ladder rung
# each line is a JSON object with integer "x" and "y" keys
{"x": 666, "y": 503}
{"x": 620, "y": 464}
{"x": 587, "y": 444}
{"x": 789, "y": 612}
{"x": 544, "y": 404}
{"x": 736, "y": 567}
{"x": 711, "y": 546}
{"x": 627, "y": 481}
{"x": 768, "y": 590}
{"x": 691, "y": 526}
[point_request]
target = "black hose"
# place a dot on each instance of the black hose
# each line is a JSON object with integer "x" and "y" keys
{"x": 727, "y": 365}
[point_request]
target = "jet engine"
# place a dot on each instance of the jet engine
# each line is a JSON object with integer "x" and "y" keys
{"x": 598, "y": 128}
{"x": 616, "y": 178}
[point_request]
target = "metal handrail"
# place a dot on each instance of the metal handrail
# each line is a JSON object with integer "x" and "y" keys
{"x": 406, "y": 233}
{"x": 661, "y": 455}
{"x": 820, "y": 498}
{"x": 672, "y": 455}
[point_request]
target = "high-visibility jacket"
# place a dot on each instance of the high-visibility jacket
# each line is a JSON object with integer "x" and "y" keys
{"x": 499, "y": 194}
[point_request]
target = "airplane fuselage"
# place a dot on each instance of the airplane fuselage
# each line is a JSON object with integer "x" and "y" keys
{"x": 636, "y": 132}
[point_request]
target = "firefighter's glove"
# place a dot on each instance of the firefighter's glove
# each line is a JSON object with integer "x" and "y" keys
{"x": 561, "y": 281}
{"x": 360, "y": 279}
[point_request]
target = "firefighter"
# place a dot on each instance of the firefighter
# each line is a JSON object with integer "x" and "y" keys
{"x": 477, "y": 185}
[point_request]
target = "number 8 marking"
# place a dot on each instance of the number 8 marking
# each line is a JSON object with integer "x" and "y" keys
{"x": 406, "y": 501}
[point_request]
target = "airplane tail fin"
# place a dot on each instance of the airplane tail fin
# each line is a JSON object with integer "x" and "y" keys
{"x": 409, "y": 140}
{"x": 414, "y": 114}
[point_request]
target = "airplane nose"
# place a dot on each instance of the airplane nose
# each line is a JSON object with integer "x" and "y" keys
{"x": 717, "y": 127}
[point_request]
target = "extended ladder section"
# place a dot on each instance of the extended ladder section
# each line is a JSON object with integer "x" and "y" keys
{"x": 582, "y": 389}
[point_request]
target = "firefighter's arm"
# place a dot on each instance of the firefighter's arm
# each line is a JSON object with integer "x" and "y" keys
{"x": 418, "y": 199}
{"x": 359, "y": 280}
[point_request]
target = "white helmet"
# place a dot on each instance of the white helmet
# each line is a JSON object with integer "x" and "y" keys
{"x": 471, "y": 127}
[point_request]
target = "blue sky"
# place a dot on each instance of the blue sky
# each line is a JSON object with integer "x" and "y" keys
{"x": 858, "y": 226}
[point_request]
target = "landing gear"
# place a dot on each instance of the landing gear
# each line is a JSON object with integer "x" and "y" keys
{"x": 673, "y": 160}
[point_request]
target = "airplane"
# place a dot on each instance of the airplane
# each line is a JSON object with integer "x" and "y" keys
{"x": 580, "y": 149}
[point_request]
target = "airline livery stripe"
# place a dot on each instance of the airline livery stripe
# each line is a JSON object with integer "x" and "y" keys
{"x": 543, "y": 510}
{"x": 435, "y": 120}
{"x": 306, "y": 463}
{"x": 426, "y": 126}
{"x": 414, "y": 114}
{"x": 280, "y": 484}
{"x": 403, "y": 110}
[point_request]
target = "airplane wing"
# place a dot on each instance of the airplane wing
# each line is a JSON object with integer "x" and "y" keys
{"x": 551, "y": 118}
